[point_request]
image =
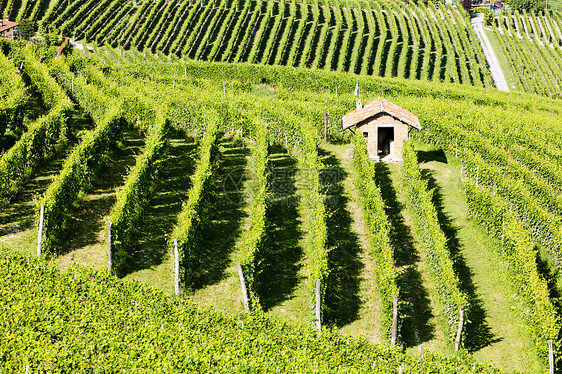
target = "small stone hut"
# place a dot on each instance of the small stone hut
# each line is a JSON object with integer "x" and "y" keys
{"x": 385, "y": 127}
{"x": 7, "y": 28}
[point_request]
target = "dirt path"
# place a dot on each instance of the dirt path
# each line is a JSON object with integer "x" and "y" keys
{"x": 497, "y": 73}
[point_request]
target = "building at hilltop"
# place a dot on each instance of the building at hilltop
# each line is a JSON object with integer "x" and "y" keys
{"x": 8, "y": 29}
{"x": 384, "y": 125}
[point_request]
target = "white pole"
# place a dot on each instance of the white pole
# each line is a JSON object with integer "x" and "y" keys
{"x": 243, "y": 285}
{"x": 109, "y": 260}
{"x": 394, "y": 321}
{"x": 459, "y": 331}
{"x": 40, "y": 234}
{"x": 318, "y": 307}
{"x": 176, "y": 268}
{"x": 550, "y": 358}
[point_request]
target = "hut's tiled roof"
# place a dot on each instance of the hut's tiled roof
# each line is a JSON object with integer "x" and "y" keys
{"x": 377, "y": 106}
{"x": 6, "y": 25}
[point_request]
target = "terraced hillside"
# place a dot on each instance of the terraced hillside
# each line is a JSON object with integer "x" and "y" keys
{"x": 531, "y": 46}
{"x": 227, "y": 159}
{"x": 389, "y": 39}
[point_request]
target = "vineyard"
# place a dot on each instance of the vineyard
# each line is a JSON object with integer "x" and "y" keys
{"x": 180, "y": 196}
{"x": 388, "y": 39}
{"x": 531, "y": 45}
{"x": 225, "y": 162}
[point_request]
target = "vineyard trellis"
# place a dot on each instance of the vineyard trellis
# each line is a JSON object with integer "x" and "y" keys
{"x": 238, "y": 31}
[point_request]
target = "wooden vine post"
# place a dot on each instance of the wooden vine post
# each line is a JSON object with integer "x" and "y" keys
{"x": 318, "y": 307}
{"x": 109, "y": 259}
{"x": 325, "y": 128}
{"x": 40, "y": 233}
{"x": 394, "y": 321}
{"x": 477, "y": 175}
{"x": 244, "y": 290}
{"x": 550, "y": 358}
{"x": 176, "y": 268}
{"x": 459, "y": 331}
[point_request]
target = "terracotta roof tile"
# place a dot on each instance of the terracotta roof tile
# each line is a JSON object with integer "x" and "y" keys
{"x": 377, "y": 106}
{"x": 6, "y": 25}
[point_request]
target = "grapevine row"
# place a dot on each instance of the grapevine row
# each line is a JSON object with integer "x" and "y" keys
{"x": 378, "y": 229}
{"x": 434, "y": 243}
{"x": 238, "y": 31}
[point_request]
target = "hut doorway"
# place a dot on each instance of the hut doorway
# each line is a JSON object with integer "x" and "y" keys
{"x": 385, "y": 141}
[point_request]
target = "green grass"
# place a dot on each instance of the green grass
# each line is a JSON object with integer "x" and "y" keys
{"x": 216, "y": 283}
{"x": 504, "y": 64}
{"x": 419, "y": 308}
{"x": 152, "y": 261}
{"x": 283, "y": 289}
{"x": 87, "y": 231}
{"x": 287, "y": 296}
{"x": 496, "y": 329}
{"x": 365, "y": 321}
{"x": 263, "y": 90}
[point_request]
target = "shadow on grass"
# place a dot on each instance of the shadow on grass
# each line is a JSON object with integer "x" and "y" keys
{"x": 227, "y": 216}
{"x": 477, "y": 334}
{"x": 433, "y": 155}
{"x": 92, "y": 211}
{"x": 160, "y": 216}
{"x": 20, "y": 214}
{"x": 551, "y": 275}
{"x": 282, "y": 252}
{"x": 415, "y": 308}
{"x": 342, "y": 286}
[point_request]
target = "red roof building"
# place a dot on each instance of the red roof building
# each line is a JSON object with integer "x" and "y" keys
{"x": 384, "y": 125}
{"x": 7, "y": 28}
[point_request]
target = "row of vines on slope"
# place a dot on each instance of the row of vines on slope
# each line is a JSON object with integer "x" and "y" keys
{"x": 42, "y": 137}
{"x": 306, "y": 33}
{"x": 378, "y": 229}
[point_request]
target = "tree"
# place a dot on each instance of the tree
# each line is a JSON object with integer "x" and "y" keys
{"x": 26, "y": 29}
{"x": 528, "y": 5}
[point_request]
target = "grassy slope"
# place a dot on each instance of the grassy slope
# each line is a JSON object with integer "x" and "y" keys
{"x": 497, "y": 331}
{"x": 217, "y": 283}
{"x": 88, "y": 230}
{"x": 19, "y": 220}
{"x": 504, "y": 64}
{"x": 153, "y": 259}
{"x": 285, "y": 292}
{"x": 422, "y": 324}
{"x": 366, "y": 322}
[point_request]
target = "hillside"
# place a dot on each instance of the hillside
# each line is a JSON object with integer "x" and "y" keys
{"x": 90, "y": 320}
{"x": 387, "y": 39}
{"x": 187, "y": 183}
{"x": 531, "y": 49}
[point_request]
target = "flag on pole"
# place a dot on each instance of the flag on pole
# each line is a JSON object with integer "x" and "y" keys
{"x": 357, "y": 88}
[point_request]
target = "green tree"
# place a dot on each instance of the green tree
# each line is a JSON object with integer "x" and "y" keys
{"x": 528, "y": 5}
{"x": 26, "y": 29}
